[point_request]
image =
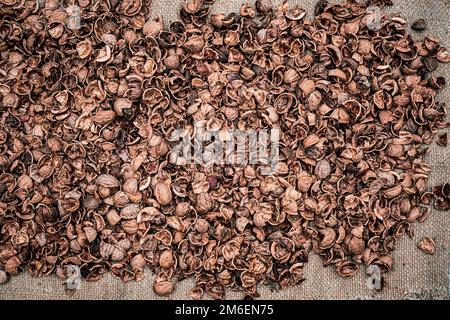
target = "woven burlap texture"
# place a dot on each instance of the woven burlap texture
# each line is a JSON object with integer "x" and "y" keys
{"x": 416, "y": 274}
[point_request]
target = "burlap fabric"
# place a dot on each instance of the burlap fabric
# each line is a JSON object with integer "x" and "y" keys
{"x": 416, "y": 275}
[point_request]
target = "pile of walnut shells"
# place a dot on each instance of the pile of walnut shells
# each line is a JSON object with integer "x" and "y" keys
{"x": 86, "y": 116}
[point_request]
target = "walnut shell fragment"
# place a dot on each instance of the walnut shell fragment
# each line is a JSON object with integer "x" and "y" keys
{"x": 163, "y": 288}
{"x": 427, "y": 245}
{"x": 442, "y": 139}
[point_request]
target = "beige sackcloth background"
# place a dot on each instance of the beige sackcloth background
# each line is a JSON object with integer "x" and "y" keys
{"x": 416, "y": 275}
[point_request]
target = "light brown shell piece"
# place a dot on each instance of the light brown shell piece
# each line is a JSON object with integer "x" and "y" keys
{"x": 427, "y": 245}
{"x": 163, "y": 193}
{"x": 113, "y": 217}
{"x": 167, "y": 259}
{"x": 323, "y": 169}
{"x": 346, "y": 268}
{"x": 205, "y": 202}
{"x": 130, "y": 211}
{"x": 84, "y": 48}
{"x": 163, "y": 288}
{"x": 104, "y": 54}
{"x": 393, "y": 192}
{"x": 329, "y": 237}
{"x": 91, "y": 233}
{"x": 107, "y": 181}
